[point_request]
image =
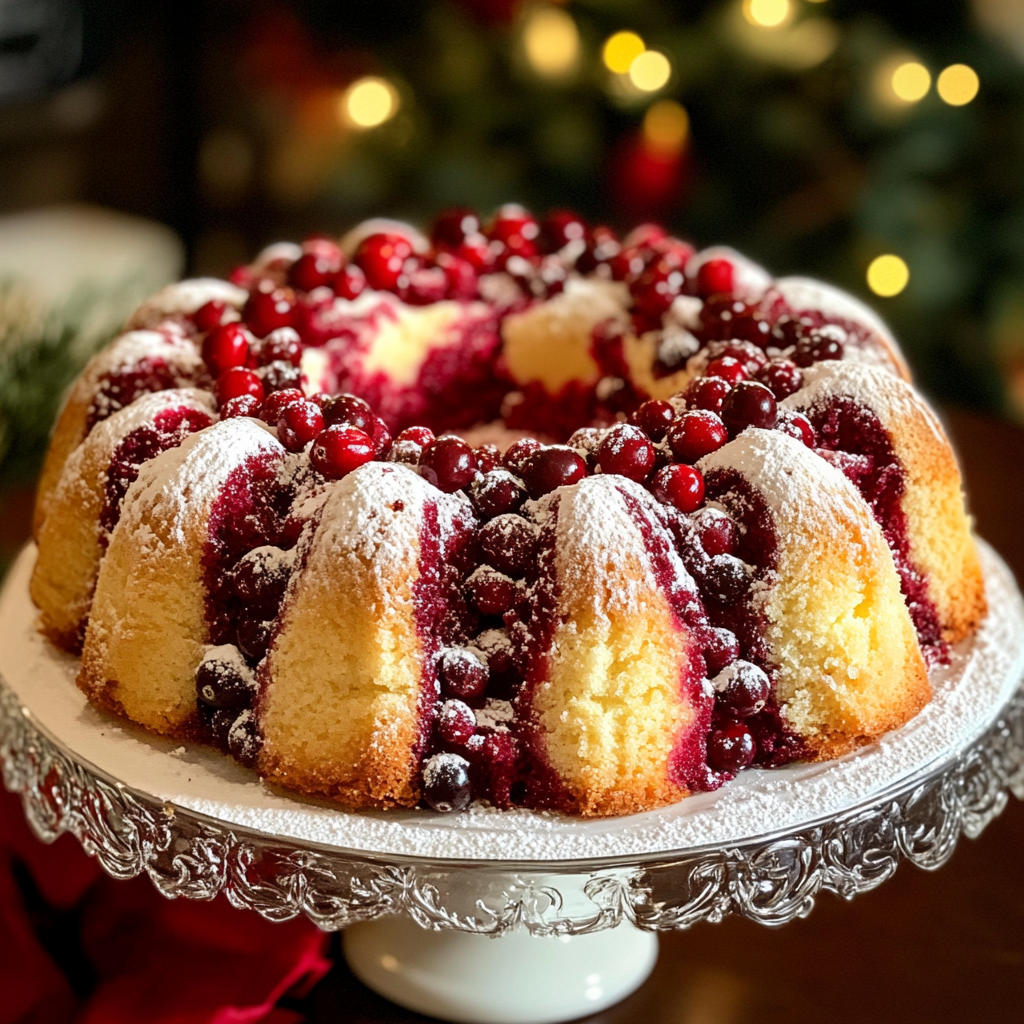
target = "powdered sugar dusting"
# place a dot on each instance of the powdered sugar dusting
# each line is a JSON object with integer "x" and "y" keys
{"x": 184, "y": 298}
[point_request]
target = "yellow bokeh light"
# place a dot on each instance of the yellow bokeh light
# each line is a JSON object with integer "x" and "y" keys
{"x": 620, "y": 50}
{"x": 368, "y": 102}
{"x": 767, "y": 13}
{"x": 911, "y": 82}
{"x": 888, "y": 275}
{"x": 666, "y": 127}
{"x": 650, "y": 71}
{"x": 958, "y": 85}
{"x": 552, "y": 42}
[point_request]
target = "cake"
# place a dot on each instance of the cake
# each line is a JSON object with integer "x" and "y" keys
{"x": 520, "y": 513}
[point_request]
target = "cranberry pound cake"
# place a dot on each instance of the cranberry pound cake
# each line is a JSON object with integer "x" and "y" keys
{"x": 517, "y": 512}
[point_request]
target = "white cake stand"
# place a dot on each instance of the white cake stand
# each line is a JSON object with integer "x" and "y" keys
{"x": 571, "y": 908}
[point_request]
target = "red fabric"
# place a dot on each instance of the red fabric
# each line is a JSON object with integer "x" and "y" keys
{"x": 155, "y": 960}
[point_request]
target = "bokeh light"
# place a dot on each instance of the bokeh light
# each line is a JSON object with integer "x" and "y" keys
{"x": 911, "y": 82}
{"x": 368, "y": 102}
{"x": 650, "y": 71}
{"x": 620, "y": 50}
{"x": 958, "y": 85}
{"x": 666, "y": 127}
{"x": 552, "y": 42}
{"x": 888, "y": 275}
{"x": 767, "y": 13}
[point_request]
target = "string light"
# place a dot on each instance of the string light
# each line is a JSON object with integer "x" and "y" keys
{"x": 666, "y": 127}
{"x": 650, "y": 71}
{"x": 368, "y": 102}
{"x": 888, "y": 275}
{"x": 911, "y": 82}
{"x": 958, "y": 85}
{"x": 620, "y": 50}
{"x": 767, "y": 13}
{"x": 552, "y": 42}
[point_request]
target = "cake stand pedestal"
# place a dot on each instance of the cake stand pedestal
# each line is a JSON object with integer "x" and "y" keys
{"x": 514, "y": 916}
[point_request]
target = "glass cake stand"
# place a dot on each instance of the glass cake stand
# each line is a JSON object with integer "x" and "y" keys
{"x": 571, "y": 908}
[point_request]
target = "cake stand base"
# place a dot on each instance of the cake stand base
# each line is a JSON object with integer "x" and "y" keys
{"x": 516, "y": 978}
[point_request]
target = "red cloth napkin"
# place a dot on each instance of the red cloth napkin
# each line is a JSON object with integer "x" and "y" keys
{"x": 144, "y": 958}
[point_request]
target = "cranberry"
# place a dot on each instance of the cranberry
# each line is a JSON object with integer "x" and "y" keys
{"x": 746, "y": 691}
{"x": 267, "y": 311}
{"x": 426, "y": 285}
{"x": 280, "y": 376}
{"x": 749, "y": 404}
{"x": 679, "y": 486}
{"x": 244, "y": 405}
{"x": 493, "y": 592}
{"x": 260, "y": 577}
{"x": 446, "y": 786}
{"x": 243, "y": 745}
{"x": 752, "y": 358}
{"x": 275, "y": 404}
{"x": 382, "y": 258}
{"x": 602, "y": 245}
{"x": 314, "y": 270}
{"x": 338, "y": 450}
{"x": 722, "y": 649}
{"x": 220, "y": 684}
{"x": 497, "y": 492}
{"x": 236, "y": 382}
{"x": 707, "y": 393}
{"x": 551, "y": 467}
{"x": 452, "y": 227}
{"x": 817, "y": 347}
{"x": 463, "y": 674}
{"x": 224, "y": 347}
{"x": 717, "y": 532}
{"x": 508, "y": 542}
{"x": 648, "y": 234}
{"x": 381, "y": 435}
{"x": 782, "y": 376}
{"x": 519, "y": 453}
{"x": 695, "y": 434}
{"x": 797, "y": 425}
{"x": 418, "y": 435}
{"x": 448, "y": 463}
{"x": 282, "y": 345}
{"x": 478, "y": 253}
{"x": 560, "y": 227}
{"x": 488, "y": 457}
{"x": 298, "y": 424}
{"x": 731, "y": 748}
{"x": 209, "y": 315}
{"x": 460, "y": 277}
{"x": 349, "y": 282}
{"x": 350, "y": 410}
{"x": 656, "y": 288}
{"x": 626, "y": 450}
{"x": 253, "y": 638}
{"x": 517, "y": 230}
{"x": 724, "y": 578}
{"x": 586, "y": 441}
{"x": 455, "y": 722}
{"x": 728, "y": 368}
{"x": 715, "y": 277}
{"x": 627, "y": 264}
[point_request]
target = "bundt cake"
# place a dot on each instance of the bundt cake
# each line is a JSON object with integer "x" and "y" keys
{"x": 520, "y": 513}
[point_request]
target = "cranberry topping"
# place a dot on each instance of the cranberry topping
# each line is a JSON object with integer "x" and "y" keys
{"x": 220, "y": 684}
{"x": 586, "y": 441}
{"x": 417, "y": 435}
{"x": 493, "y": 592}
{"x": 551, "y": 467}
{"x": 446, "y": 785}
{"x": 460, "y": 276}
{"x": 654, "y": 417}
{"x": 354, "y": 412}
{"x": 519, "y": 453}
{"x": 695, "y": 434}
{"x": 243, "y": 743}
{"x": 260, "y": 577}
{"x": 749, "y": 404}
{"x": 382, "y": 258}
{"x": 680, "y": 486}
{"x": 463, "y": 674}
{"x": 731, "y": 748}
{"x": 782, "y": 376}
{"x": 448, "y": 463}
{"x": 253, "y": 638}
{"x": 236, "y": 382}
{"x": 210, "y": 315}
{"x": 275, "y": 404}
{"x": 282, "y": 345}
{"x": 717, "y": 533}
{"x": 656, "y": 288}
{"x": 497, "y": 492}
{"x": 626, "y": 450}
{"x": 746, "y": 689}
{"x": 724, "y": 578}
{"x": 602, "y": 245}
{"x": 267, "y": 311}
{"x": 488, "y": 457}
{"x": 280, "y": 376}
{"x": 244, "y": 405}
{"x": 225, "y": 347}
{"x": 707, "y": 393}
{"x": 797, "y": 425}
{"x": 817, "y": 347}
{"x": 628, "y": 264}
{"x": 350, "y": 282}
{"x": 728, "y": 368}
{"x": 456, "y": 722}
{"x": 560, "y": 227}
{"x": 314, "y": 270}
{"x": 338, "y": 450}
{"x": 722, "y": 649}
{"x": 517, "y": 230}
{"x": 452, "y": 227}
{"x": 298, "y": 424}
{"x": 426, "y": 285}
{"x": 509, "y": 542}
{"x": 715, "y": 277}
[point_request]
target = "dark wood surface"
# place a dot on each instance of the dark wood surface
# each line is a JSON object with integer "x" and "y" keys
{"x": 924, "y": 947}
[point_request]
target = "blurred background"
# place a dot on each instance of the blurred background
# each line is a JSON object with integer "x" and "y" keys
{"x": 878, "y": 145}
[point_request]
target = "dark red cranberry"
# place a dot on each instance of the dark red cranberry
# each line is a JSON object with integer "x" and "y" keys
{"x": 749, "y": 404}
{"x": 517, "y": 230}
{"x": 298, "y": 424}
{"x": 260, "y": 577}
{"x": 817, "y": 347}
{"x": 747, "y": 689}
{"x": 519, "y": 453}
{"x": 282, "y": 345}
{"x": 275, "y": 404}
{"x": 783, "y": 377}
{"x": 452, "y": 227}
{"x": 456, "y": 722}
{"x": 425, "y": 286}
{"x": 418, "y": 435}
{"x": 717, "y": 532}
{"x": 244, "y": 405}
{"x": 461, "y": 280}
{"x": 348, "y": 409}
{"x": 797, "y": 425}
{"x": 707, "y": 393}
{"x": 224, "y": 347}
{"x": 478, "y": 252}
{"x": 679, "y": 486}
{"x": 753, "y": 359}
{"x": 381, "y": 438}
{"x": 602, "y": 245}
{"x": 731, "y": 748}
{"x": 627, "y": 264}
{"x": 728, "y": 368}
{"x": 656, "y": 288}
{"x": 209, "y": 315}
{"x": 722, "y": 649}
{"x": 382, "y": 258}
{"x": 626, "y": 450}
{"x": 349, "y": 282}
{"x": 314, "y": 270}
{"x": 715, "y": 277}
{"x": 243, "y": 744}
{"x": 560, "y": 227}
{"x": 695, "y": 434}
{"x": 496, "y": 493}
{"x": 488, "y": 457}
{"x": 724, "y": 578}
{"x": 551, "y": 467}
{"x": 338, "y": 450}
{"x": 508, "y": 542}
{"x": 493, "y": 592}
{"x": 267, "y": 311}
{"x": 236, "y": 382}
{"x": 654, "y": 417}
{"x": 463, "y": 674}
{"x": 448, "y": 463}
{"x": 220, "y": 684}
{"x": 446, "y": 785}
{"x": 280, "y": 376}
{"x": 586, "y": 441}
{"x": 253, "y": 638}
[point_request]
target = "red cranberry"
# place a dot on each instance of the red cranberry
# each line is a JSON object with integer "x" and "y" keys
{"x": 728, "y": 368}
{"x": 747, "y": 689}
{"x": 648, "y": 234}
{"x": 349, "y": 282}
{"x": 253, "y": 638}
{"x": 749, "y": 404}
{"x": 280, "y": 376}
{"x": 674, "y": 248}
{"x": 715, "y": 277}
{"x": 452, "y": 227}
{"x": 679, "y": 486}
{"x": 707, "y": 393}
{"x": 244, "y": 405}
{"x": 463, "y": 674}
{"x": 656, "y": 288}
{"x": 418, "y": 435}
{"x": 267, "y": 311}
{"x": 426, "y": 286}
{"x": 717, "y": 532}
{"x": 724, "y": 578}
{"x": 209, "y": 315}
{"x": 382, "y": 258}
{"x": 282, "y": 345}
{"x": 817, "y": 347}
{"x": 602, "y": 245}
{"x": 456, "y": 722}
{"x": 275, "y": 404}
{"x": 517, "y": 230}
{"x": 797, "y": 425}
{"x": 782, "y": 376}
{"x": 722, "y": 649}
{"x": 695, "y": 434}
{"x": 551, "y": 467}
{"x": 508, "y": 542}
{"x": 235, "y": 382}
{"x": 448, "y": 463}
{"x": 224, "y": 347}
{"x": 654, "y": 417}
{"x": 586, "y": 441}
{"x": 493, "y": 592}
{"x": 338, "y": 450}
{"x": 381, "y": 435}
{"x": 560, "y": 227}
{"x": 627, "y": 264}
{"x": 220, "y": 684}
{"x": 731, "y": 748}
{"x": 519, "y": 453}
{"x": 313, "y": 270}
{"x": 349, "y": 409}
{"x": 478, "y": 252}
{"x": 259, "y": 577}
{"x": 626, "y": 450}
{"x": 497, "y": 492}
{"x": 460, "y": 277}
{"x": 446, "y": 785}
{"x": 752, "y": 358}
{"x": 298, "y": 424}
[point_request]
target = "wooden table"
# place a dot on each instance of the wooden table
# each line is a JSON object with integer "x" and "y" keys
{"x": 923, "y": 947}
